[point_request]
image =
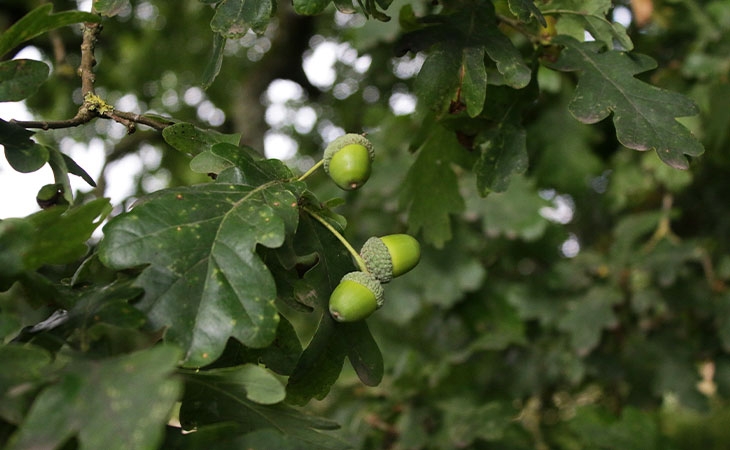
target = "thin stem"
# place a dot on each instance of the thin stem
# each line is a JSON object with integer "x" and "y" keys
{"x": 311, "y": 170}
{"x": 358, "y": 259}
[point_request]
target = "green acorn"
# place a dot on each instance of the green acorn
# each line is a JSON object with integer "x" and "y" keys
{"x": 356, "y": 297}
{"x": 348, "y": 161}
{"x": 390, "y": 256}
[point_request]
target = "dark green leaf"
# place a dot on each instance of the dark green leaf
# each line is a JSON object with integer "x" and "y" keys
{"x": 101, "y": 403}
{"x": 644, "y": 115}
{"x": 319, "y": 366}
{"x": 77, "y": 170}
{"x": 438, "y": 79}
{"x": 64, "y": 232}
{"x": 192, "y": 140}
{"x": 430, "y": 190}
{"x": 474, "y": 84}
{"x": 504, "y": 154}
{"x": 39, "y": 21}
{"x": 24, "y": 369}
{"x": 233, "y": 18}
{"x": 249, "y": 381}
{"x": 508, "y": 59}
{"x": 363, "y": 352}
{"x": 14, "y": 135}
{"x": 109, "y": 8}
{"x": 205, "y": 281}
{"x": 106, "y": 304}
{"x": 27, "y": 158}
{"x": 208, "y": 401}
{"x": 20, "y": 78}
{"x": 282, "y": 355}
{"x": 207, "y": 162}
{"x": 213, "y": 68}
{"x": 23, "y": 154}
{"x": 249, "y": 167}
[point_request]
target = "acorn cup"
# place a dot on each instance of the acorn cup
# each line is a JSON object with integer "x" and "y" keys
{"x": 348, "y": 161}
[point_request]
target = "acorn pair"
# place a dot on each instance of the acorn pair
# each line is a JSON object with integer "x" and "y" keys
{"x": 359, "y": 294}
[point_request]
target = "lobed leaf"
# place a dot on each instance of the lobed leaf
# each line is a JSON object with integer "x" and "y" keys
{"x": 644, "y": 115}
{"x": 431, "y": 191}
{"x": 204, "y": 280}
{"x": 456, "y": 62}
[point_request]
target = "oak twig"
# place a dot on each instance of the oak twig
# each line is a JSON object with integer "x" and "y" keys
{"x": 93, "y": 106}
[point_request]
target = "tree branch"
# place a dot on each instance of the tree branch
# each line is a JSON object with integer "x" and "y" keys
{"x": 93, "y": 106}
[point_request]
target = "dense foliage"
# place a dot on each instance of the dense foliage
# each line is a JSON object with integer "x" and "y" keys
{"x": 565, "y": 174}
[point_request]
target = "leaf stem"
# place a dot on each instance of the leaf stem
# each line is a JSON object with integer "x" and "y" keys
{"x": 358, "y": 259}
{"x": 311, "y": 170}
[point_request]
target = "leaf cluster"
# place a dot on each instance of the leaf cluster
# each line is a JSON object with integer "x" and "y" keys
{"x": 571, "y": 294}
